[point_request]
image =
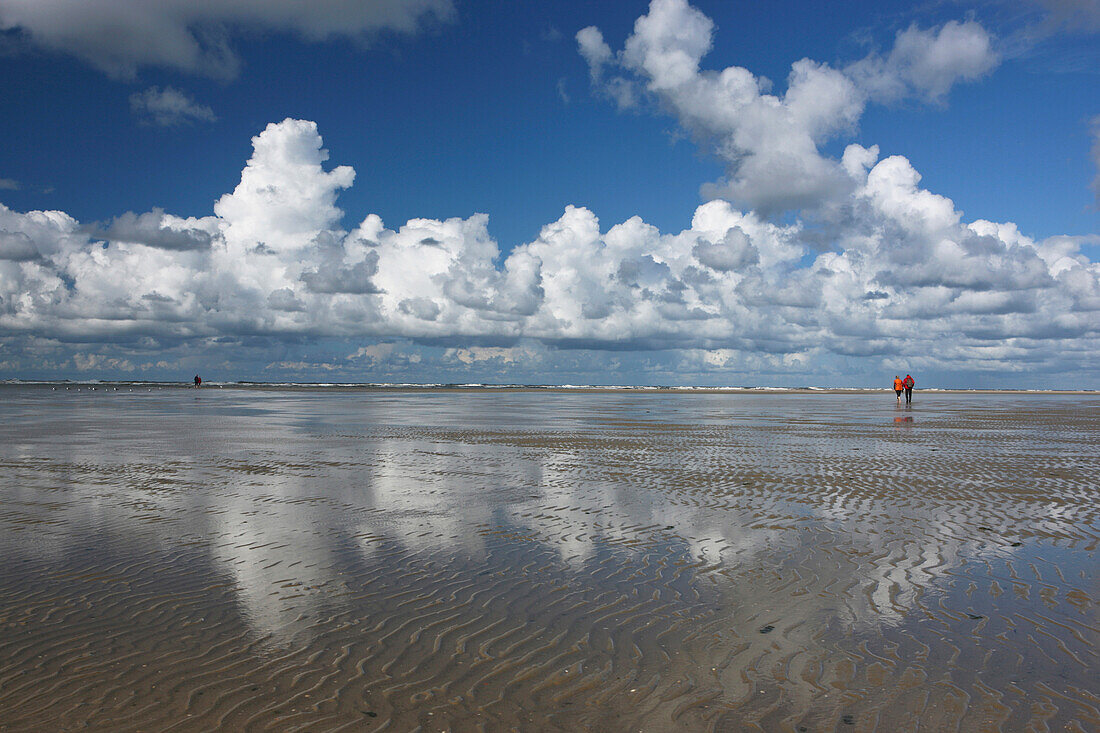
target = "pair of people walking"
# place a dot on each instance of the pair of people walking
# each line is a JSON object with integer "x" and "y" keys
{"x": 904, "y": 385}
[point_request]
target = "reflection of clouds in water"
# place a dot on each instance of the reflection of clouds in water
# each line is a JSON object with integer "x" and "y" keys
{"x": 430, "y": 495}
{"x": 891, "y": 567}
{"x": 585, "y": 512}
{"x": 425, "y": 494}
{"x": 80, "y": 496}
{"x": 275, "y": 531}
{"x": 278, "y": 552}
{"x": 280, "y": 489}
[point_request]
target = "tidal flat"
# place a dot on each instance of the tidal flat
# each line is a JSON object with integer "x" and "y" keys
{"x": 365, "y": 560}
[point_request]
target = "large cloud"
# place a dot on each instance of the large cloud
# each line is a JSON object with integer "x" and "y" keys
{"x": 771, "y": 143}
{"x": 273, "y": 263}
{"x": 119, "y": 36}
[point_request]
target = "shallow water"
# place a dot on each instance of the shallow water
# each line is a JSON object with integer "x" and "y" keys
{"x": 251, "y": 559}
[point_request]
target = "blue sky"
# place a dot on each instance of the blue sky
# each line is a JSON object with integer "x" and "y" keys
{"x": 448, "y": 110}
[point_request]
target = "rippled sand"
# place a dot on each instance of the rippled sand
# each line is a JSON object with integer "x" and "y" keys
{"x": 350, "y": 560}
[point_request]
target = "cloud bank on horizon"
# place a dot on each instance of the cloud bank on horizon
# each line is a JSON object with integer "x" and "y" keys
{"x": 803, "y": 267}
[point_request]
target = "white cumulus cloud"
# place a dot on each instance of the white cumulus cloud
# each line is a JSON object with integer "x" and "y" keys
{"x": 771, "y": 143}
{"x": 273, "y": 262}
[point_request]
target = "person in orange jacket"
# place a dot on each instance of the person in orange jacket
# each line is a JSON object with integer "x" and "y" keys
{"x": 908, "y": 383}
{"x": 899, "y": 385}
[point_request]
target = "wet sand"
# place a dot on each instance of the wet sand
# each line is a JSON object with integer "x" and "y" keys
{"x": 293, "y": 560}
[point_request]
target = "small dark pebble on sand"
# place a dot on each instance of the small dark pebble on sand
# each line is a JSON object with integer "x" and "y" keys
{"x": 766, "y": 629}
{"x": 975, "y": 616}
{"x": 847, "y": 720}
{"x": 370, "y": 713}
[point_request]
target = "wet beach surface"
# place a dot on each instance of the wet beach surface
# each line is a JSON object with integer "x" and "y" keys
{"x": 320, "y": 560}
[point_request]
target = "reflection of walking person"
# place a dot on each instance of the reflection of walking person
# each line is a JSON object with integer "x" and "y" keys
{"x": 908, "y": 382}
{"x": 198, "y": 380}
{"x": 899, "y": 385}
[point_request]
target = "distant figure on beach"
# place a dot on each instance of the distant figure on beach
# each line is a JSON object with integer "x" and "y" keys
{"x": 899, "y": 385}
{"x": 908, "y": 382}
{"x": 198, "y": 380}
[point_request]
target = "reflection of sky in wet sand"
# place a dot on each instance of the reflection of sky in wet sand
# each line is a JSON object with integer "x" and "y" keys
{"x": 815, "y": 518}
